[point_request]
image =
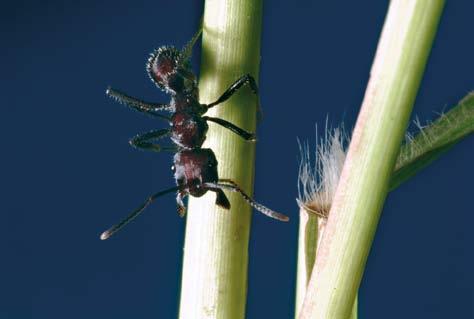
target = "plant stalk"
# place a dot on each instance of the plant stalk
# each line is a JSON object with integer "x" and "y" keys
{"x": 311, "y": 229}
{"x": 398, "y": 67}
{"x": 415, "y": 154}
{"x": 214, "y": 278}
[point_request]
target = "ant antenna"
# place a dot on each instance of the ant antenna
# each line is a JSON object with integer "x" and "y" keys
{"x": 232, "y": 186}
{"x": 112, "y": 230}
{"x": 139, "y": 105}
{"x": 187, "y": 50}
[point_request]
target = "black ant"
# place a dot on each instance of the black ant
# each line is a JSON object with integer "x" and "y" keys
{"x": 195, "y": 168}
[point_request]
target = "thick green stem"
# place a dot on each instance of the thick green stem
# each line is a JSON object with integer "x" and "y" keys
{"x": 214, "y": 279}
{"x": 418, "y": 152}
{"x": 401, "y": 56}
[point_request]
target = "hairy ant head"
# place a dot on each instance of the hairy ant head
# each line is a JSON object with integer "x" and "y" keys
{"x": 172, "y": 73}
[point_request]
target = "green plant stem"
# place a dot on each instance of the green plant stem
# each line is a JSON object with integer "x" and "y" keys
{"x": 418, "y": 152}
{"x": 308, "y": 238}
{"x": 214, "y": 278}
{"x": 311, "y": 229}
{"x": 400, "y": 60}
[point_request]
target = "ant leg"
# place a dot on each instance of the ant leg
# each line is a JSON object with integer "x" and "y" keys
{"x": 242, "y": 133}
{"x": 139, "y": 105}
{"x": 232, "y": 186}
{"x": 221, "y": 199}
{"x": 179, "y": 200}
{"x": 246, "y": 79}
{"x": 112, "y": 230}
{"x": 144, "y": 141}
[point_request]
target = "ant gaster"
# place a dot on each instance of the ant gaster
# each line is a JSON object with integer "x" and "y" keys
{"x": 195, "y": 168}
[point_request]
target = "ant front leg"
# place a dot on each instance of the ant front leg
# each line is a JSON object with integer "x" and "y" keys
{"x": 139, "y": 105}
{"x": 145, "y": 141}
{"x": 237, "y": 130}
{"x": 246, "y": 79}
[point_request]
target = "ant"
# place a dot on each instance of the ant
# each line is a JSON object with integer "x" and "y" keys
{"x": 195, "y": 168}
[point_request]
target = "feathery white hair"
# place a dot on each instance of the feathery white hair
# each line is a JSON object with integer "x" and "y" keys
{"x": 317, "y": 182}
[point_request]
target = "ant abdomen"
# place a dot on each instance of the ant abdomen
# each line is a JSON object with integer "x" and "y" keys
{"x": 193, "y": 168}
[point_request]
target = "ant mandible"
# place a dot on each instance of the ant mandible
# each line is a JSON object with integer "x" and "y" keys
{"x": 195, "y": 168}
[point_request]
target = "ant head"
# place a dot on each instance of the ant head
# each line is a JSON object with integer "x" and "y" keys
{"x": 169, "y": 71}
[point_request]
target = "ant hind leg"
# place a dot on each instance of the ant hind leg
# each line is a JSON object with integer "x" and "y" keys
{"x": 115, "y": 228}
{"x": 179, "y": 200}
{"x": 221, "y": 198}
{"x": 232, "y": 186}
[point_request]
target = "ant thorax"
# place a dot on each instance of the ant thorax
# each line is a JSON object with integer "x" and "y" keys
{"x": 188, "y": 130}
{"x": 187, "y": 103}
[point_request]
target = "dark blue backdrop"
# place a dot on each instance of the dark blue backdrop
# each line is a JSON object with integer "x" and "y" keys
{"x": 67, "y": 171}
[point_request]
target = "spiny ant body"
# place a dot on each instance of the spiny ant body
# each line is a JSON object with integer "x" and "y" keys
{"x": 170, "y": 69}
{"x": 195, "y": 168}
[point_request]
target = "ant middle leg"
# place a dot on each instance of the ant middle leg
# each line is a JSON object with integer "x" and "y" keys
{"x": 139, "y": 105}
{"x": 145, "y": 141}
{"x": 246, "y": 79}
{"x": 237, "y": 130}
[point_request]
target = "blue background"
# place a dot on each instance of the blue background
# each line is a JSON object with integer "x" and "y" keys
{"x": 67, "y": 171}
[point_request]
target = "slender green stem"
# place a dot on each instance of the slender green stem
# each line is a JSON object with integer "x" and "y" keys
{"x": 311, "y": 229}
{"x": 419, "y": 151}
{"x": 214, "y": 279}
{"x": 400, "y": 60}
{"x": 308, "y": 238}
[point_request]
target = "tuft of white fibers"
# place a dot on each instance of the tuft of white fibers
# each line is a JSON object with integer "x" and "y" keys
{"x": 317, "y": 181}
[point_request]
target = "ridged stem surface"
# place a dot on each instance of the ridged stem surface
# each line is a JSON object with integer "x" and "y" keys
{"x": 398, "y": 67}
{"x": 214, "y": 278}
